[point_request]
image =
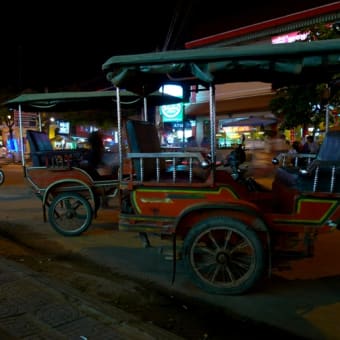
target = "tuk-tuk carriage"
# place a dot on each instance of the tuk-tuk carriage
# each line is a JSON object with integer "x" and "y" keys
{"x": 229, "y": 230}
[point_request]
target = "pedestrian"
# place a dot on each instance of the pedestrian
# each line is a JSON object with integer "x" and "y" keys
{"x": 191, "y": 142}
{"x": 58, "y": 141}
{"x": 310, "y": 145}
{"x": 243, "y": 139}
{"x": 278, "y": 144}
{"x": 296, "y": 148}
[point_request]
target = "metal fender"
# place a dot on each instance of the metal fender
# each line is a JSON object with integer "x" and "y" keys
{"x": 77, "y": 185}
{"x": 242, "y": 210}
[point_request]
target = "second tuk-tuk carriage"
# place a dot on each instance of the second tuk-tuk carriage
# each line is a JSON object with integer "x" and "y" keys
{"x": 71, "y": 191}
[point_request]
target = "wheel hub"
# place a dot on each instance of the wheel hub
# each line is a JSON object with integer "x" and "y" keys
{"x": 70, "y": 214}
{"x": 222, "y": 257}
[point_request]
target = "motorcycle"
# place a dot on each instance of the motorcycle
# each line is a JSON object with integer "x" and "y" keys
{"x": 234, "y": 160}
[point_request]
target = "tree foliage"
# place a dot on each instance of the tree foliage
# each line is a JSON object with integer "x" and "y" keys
{"x": 301, "y": 105}
{"x": 306, "y": 104}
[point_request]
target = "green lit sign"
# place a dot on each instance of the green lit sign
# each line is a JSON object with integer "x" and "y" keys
{"x": 172, "y": 113}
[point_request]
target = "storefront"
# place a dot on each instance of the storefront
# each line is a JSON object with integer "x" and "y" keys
{"x": 176, "y": 134}
{"x": 175, "y": 128}
{"x": 244, "y": 98}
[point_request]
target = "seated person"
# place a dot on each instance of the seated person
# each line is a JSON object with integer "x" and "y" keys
{"x": 94, "y": 164}
{"x": 191, "y": 142}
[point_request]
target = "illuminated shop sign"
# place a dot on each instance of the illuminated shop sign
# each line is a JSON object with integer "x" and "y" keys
{"x": 289, "y": 38}
{"x": 174, "y": 112}
{"x": 64, "y": 127}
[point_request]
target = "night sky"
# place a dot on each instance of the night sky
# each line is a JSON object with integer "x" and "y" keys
{"x": 62, "y": 45}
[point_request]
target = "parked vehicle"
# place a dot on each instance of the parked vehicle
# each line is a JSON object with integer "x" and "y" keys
{"x": 229, "y": 230}
{"x": 2, "y": 176}
{"x": 71, "y": 194}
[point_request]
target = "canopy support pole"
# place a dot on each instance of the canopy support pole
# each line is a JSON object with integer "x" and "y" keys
{"x": 120, "y": 138}
{"x": 21, "y": 138}
{"x": 212, "y": 113}
{"x": 145, "y": 109}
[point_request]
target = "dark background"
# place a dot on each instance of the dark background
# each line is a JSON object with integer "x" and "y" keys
{"x": 62, "y": 45}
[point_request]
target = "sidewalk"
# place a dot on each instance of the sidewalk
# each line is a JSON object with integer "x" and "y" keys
{"x": 304, "y": 300}
{"x": 34, "y": 308}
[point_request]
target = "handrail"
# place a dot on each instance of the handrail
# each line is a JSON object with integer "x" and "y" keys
{"x": 174, "y": 157}
{"x": 287, "y": 156}
{"x": 61, "y": 158}
{"x": 318, "y": 165}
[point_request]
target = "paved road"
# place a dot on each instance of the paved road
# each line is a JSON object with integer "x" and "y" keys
{"x": 304, "y": 300}
{"x": 35, "y": 307}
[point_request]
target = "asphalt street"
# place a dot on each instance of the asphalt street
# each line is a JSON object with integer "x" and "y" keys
{"x": 36, "y": 307}
{"x": 304, "y": 300}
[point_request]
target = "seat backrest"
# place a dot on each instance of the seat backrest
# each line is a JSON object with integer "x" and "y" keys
{"x": 39, "y": 143}
{"x": 322, "y": 173}
{"x": 330, "y": 147}
{"x": 143, "y": 137}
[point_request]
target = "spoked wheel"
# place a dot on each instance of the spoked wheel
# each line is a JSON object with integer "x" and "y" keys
{"x": 2, "y": 176}
{"x": 70, "y": 214}
{"x": 224, "y": 256}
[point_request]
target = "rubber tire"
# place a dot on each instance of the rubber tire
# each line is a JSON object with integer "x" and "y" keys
{"x": 78, "y": 201}
{"x": 247, "y": 280}
{"x": 2, "y": 177}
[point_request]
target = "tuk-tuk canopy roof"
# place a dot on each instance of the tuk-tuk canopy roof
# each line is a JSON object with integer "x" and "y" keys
{"x": 84, "y": 100}
{"x": 280, "y": 64}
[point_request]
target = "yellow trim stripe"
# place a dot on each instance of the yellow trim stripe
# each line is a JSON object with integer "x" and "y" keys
{"x": 177, "y": 194}
{"x": 333, "y": 205}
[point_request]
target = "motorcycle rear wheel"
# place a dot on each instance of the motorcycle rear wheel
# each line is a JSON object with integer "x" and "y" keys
{"x": 2, "y": 177}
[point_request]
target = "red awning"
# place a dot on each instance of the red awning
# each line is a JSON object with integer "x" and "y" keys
{"x": 284, "y": 24}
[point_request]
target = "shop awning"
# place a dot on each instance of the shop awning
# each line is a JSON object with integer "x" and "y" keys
{"x": 289, "y": 23}
{"x": 249, "y": 121}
